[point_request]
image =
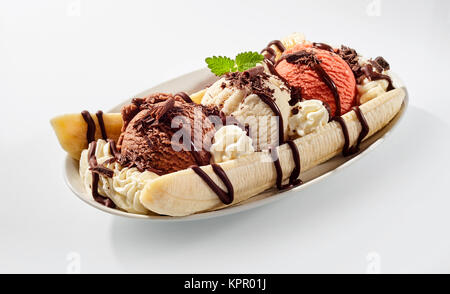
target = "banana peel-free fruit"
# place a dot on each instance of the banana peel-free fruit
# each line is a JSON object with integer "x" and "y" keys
{"x": 198, "y": 96}
{"x": 184, "y": 192}
{"x": 71, "y": 131}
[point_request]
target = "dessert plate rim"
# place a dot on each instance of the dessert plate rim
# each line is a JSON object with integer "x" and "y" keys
{"x": 73, "y": 180}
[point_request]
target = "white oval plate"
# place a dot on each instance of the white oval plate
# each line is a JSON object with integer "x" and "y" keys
{"x": 196, "y": 81}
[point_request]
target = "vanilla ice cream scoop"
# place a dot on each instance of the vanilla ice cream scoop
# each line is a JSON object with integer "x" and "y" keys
{"x": 256, "y": 99}
{"x": 306, "y": 117}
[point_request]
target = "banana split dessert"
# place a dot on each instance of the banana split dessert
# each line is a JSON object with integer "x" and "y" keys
{"x": 268, "y": 117}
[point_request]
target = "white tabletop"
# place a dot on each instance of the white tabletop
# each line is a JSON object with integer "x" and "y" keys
{"x": 388, "y": 213}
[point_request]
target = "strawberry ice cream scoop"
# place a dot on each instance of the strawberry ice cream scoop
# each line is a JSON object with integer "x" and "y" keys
{"x": 319, "y": 74}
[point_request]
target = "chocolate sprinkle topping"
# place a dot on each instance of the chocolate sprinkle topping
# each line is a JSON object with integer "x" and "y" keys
{"x": 367, "y": 71}
{"x": 303, "y": 57}
{"x": 383, "y": 63}
{"x": 375, "y": 64}
{"x": 184, "y": 96}
{"x": 154, "y": 115}
{"x": 101, "y": 170}
{"x": 350, "y": 56}
{"x": 296, "y": 96}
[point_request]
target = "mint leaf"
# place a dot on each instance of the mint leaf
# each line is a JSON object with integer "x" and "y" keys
{"x": 247, "y": 60}
{"x": 220, "y": 65}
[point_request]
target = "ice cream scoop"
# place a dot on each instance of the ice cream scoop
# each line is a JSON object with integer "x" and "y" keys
{"x": 258, "y": 100}
{"x": 149, "y": 139}
{"x": 319, "y": 74}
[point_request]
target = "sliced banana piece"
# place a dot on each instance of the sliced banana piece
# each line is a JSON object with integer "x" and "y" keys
{"x": 292, "y": 40}
{"x": 185, "y": 193}
{"x": 198, "y": 96}
{"x": 71, "y": 131}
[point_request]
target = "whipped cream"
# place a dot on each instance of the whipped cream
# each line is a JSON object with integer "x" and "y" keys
{"x": 230, "y": 142}
{"x": 126, "y": 185}
{"x": 306, "y": 117}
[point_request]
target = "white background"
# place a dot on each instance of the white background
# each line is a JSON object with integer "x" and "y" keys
{"x": 388, "y": 213}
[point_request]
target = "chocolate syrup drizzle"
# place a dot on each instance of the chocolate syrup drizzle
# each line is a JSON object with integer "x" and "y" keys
{"x": 94, "y": 167}
{"x": 296, "y": 94}
{"x": 101, "y": 123}
{"x": 372, "y": 75}
{"x": 90, "y": 133}
{"x": 295, "y": 98}
{"x": 293, "y": 178}
{"x": 274, "y": 107}
{"x": 195, "y": 153}
{"x": 364, "y": 129}
{"x": 348, "y": 150}
{"x": 341, "y": 121}
{"x": 98, "y": 170}
{"x": 227, "y": 197}
{"x": 273, "y": 71}
{"x": 269, "y": 53}
{"x": 91, "y": 128}
{"x": 323, "y": 46}
{"x": 328, "y": 108}
{"x": 331, "y": 85}
{"x": 114, "y": 152}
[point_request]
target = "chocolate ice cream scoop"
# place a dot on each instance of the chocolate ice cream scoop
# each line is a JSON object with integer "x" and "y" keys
{"x": 148, "y": 142}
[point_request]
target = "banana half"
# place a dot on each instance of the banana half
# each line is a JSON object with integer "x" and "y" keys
{"x": 70, "y": 129}
{"x": 184, "y": 192}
